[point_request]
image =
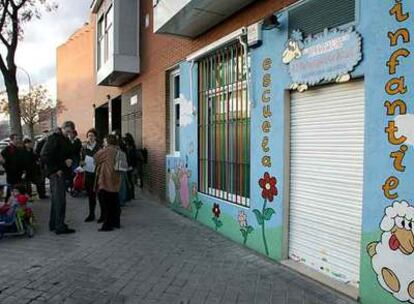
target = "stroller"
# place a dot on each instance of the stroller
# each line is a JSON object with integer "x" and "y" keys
{"x": 16, "y": 219}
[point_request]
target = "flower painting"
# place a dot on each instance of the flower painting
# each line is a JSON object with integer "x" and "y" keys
{"x": 269, "y": 191}
{"x": 245, "y": 228}
{"x": 216, "y": 216}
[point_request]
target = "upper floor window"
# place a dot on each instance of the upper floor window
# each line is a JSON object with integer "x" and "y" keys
{"x": 105, "y": 35}
{"x": 101, "y": 45}
{"x": 175, "y": 111}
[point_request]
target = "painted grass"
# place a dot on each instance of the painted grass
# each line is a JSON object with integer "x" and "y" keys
{"x": 231, "y": 230}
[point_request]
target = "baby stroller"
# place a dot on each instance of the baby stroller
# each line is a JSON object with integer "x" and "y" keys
{"x": 16, "y": 219}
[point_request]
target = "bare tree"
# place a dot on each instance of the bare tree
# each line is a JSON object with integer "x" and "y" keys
{"x": 13, "y": 15}
{"x": 32, "y": 105}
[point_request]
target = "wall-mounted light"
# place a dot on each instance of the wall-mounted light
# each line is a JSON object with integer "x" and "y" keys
{"x": 270, "y": 22}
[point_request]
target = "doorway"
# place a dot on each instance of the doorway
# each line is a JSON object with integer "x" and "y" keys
{"x": 102, "y": 121}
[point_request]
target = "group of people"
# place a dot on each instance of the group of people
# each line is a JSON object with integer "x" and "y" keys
{"x": 22, "y": 165}
{"x": 111, "y": 171}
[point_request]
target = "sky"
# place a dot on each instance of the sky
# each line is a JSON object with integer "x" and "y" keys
{"x": 37, "y": 52}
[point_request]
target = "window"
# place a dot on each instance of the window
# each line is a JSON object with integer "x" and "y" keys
{"x": 175, "y": 111}
{"x": 105, "y": 36}
{"x": 224, "y": 126}
{"x": 109, "y": 33}
{"x": 101, "y": 45}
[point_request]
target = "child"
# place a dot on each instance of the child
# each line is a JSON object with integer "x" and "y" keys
{"x": 3, "y": 192}
{"x": 17, "y": 202}
{"x": 6, "y": 208}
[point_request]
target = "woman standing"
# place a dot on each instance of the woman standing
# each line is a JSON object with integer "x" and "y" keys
{"x": 123, "y": 192}
{"x": 89, "y": 150}
{"x": 132, "y": 157}
{"x": 75, "y": 150}
{"x": 108, "y": 183}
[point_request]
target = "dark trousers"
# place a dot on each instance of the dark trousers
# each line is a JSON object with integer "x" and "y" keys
{"x": 111, "y": 209}
{"x": 41, "y": 187}
{"x": 140, "y": 173}
{"x": 40, "y": 182}
{"x": 58, "y": 202}
{"x": 131, "y": 184}
{"x": 90, "y": 189}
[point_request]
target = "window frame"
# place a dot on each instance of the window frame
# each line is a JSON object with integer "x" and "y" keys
{"x": 100, "y": 41}
{"x": 173, "y": 102}
{"x": 230, "y": 96}
{"x": 109, "y": 37}
{"x": 105, "y": 33}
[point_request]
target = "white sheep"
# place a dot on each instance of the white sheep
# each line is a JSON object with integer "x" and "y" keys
{"x": 392, "y": 257}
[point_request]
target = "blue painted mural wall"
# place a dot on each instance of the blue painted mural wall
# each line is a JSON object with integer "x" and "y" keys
{"x": 385, "y": 179}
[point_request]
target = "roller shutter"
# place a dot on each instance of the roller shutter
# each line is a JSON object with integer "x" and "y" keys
{"x": 312, "y": 17}
{"x": 327, "y": 145}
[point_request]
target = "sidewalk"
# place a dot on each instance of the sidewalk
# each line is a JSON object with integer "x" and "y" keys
{"x": 157, "y": 257}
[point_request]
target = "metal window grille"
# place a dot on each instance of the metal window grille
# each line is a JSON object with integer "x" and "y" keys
{"x": 224, "y": 126}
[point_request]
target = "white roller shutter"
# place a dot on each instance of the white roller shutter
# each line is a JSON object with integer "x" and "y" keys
{"x": 327, "y": 145}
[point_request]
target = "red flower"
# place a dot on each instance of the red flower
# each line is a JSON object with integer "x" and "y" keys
{"x": 268, "y": 184}
{"x": 216, "y": 210}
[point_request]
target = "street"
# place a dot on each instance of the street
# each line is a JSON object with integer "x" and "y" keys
{"x": 156, "y": 257}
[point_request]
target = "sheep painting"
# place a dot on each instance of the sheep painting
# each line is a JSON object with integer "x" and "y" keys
{"x": 393, "y": 256}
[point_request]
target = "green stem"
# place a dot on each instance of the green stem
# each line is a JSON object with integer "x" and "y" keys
{"x": 196, "y": 214}
{"x": 245, "y": 240}
{"x": 263, "y": 229}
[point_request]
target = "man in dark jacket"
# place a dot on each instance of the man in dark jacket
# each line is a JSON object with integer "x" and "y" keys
{"x": 12, "y": 161}
{"x": 56, "y": 155}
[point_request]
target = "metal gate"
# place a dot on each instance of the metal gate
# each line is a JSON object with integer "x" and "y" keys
{"x": 132, "y": 114}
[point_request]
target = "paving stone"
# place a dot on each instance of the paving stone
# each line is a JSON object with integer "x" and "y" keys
{"x": 156, "y": 257}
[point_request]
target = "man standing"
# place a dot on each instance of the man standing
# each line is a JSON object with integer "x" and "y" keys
{"x": 12, "y": 163}
{"x": 56, "y": 155}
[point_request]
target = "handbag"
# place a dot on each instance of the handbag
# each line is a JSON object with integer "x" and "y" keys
{"x": 121, "y": 163}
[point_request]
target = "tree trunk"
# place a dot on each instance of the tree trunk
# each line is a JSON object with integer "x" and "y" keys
{"x": 31, "y": 126}
{"x": 14, "y": 105}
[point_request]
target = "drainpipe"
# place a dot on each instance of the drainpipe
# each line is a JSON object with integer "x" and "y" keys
{"x": 246, "y": 58}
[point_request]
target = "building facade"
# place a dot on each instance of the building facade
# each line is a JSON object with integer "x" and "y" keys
{"x": 283, "y": 125}
{"x": 77, "y": 93}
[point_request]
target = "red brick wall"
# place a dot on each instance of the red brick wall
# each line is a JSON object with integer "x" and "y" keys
{"x": 158, "y": 54}
{"x": 76, "y": 84}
